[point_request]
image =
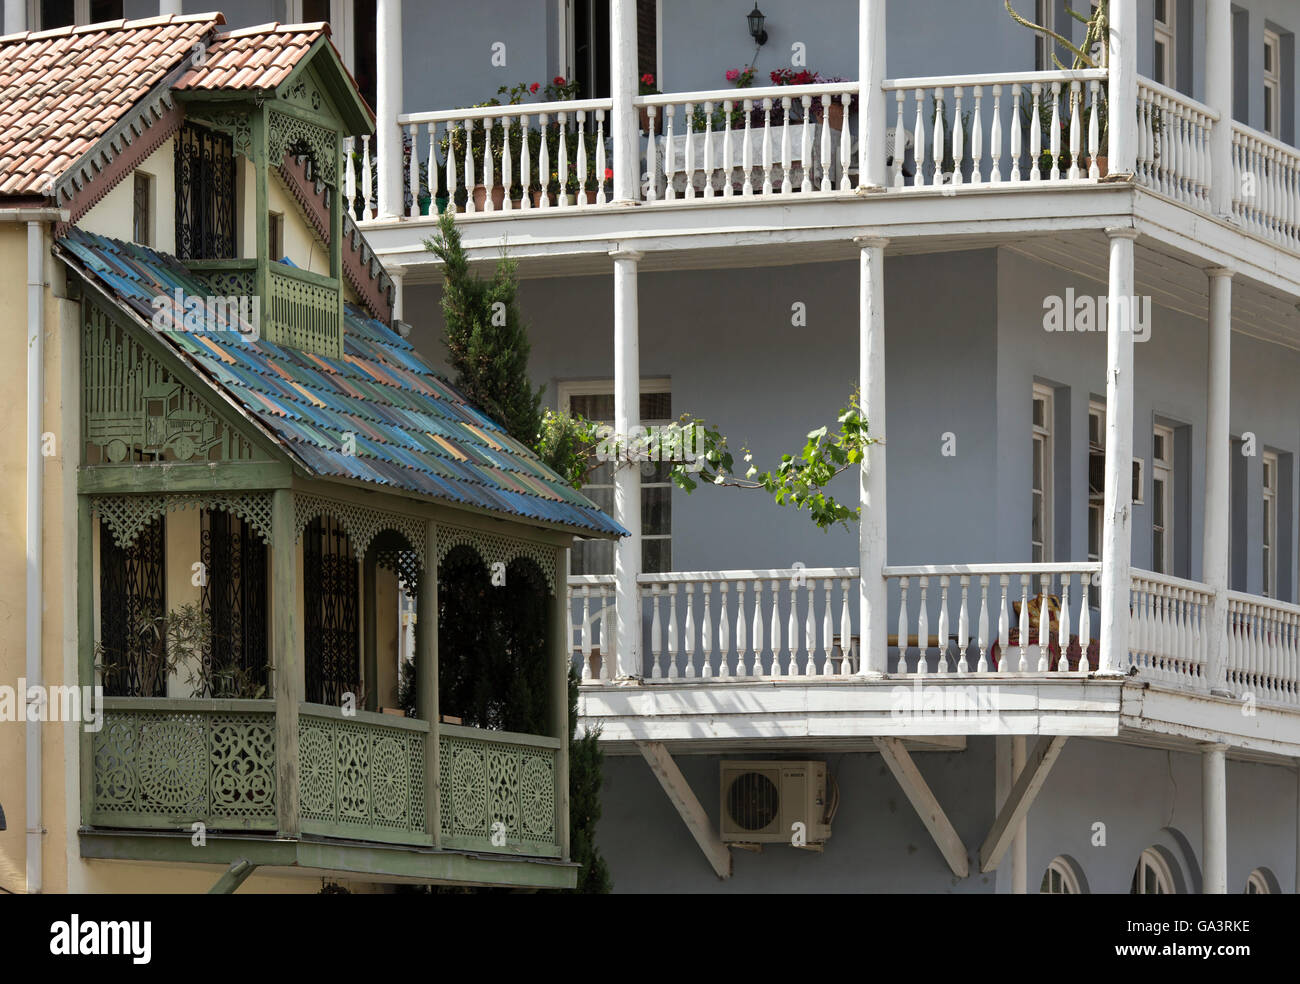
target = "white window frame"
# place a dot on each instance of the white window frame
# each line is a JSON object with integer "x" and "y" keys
{"x": 1162, "y": 469}
{"x": 1096, "y": 503}
{"x": 567, "y": 389}
{"x": 1041, "y": 485}
{"x": 1060, "y": 879}
{"x": 1045, "y": 16}
{"x": 80, "y": 14}
{"x": 1166, "y": 33}
{"x": 1273, "y": 84}
{"x": 1268, "y": 538}
{"x": 1151, "y": 860}
{"x": 1257, "y": 883}
{"x": 151, "y": 209}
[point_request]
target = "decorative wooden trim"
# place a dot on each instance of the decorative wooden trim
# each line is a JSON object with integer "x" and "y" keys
{"x": 498, "y": 548}
{"x": 127, "y": 515}
{"x": 362, "y": 523}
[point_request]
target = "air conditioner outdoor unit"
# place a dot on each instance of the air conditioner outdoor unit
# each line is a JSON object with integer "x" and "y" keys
{"x": 762, "y": 802}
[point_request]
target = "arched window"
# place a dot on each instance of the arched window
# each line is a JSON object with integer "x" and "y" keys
{"x": 1259, "y": 883}
{"x": 1060, "y": 878}
{"x": 1152, "y": 876}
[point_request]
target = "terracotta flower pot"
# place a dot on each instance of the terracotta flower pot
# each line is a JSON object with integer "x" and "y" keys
{"x": 480, "y": 197}
{"x": 1102, "y": 165}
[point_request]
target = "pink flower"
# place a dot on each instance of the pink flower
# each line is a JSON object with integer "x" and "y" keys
{"x": 534, "y": 87}
{"x": 732, "y": 74}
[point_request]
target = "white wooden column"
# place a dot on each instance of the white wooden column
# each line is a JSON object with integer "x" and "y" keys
{"x": 398, "y": 305}
{"x": 16, "y": 15}
{"x": 872, "y": 123}
{"x": 1020, "y": 845}
{"x": 1297, "y": 832}
{"x": 623, "y": 88}
{"x": 1214, "y": 553}
{"x": 627, "y": 478}
{"x": 388, "y": 99}
{"x": 1124, "y": 42}
{"x": 165, "y": 7}
{"x": 1214, "y": 821}
{"x": 873, "y": 526}
{"x": 1218, "y": 95}
{"x": 1117, "y": 521}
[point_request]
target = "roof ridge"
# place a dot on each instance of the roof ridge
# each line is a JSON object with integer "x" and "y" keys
{"x": 275, "y": 27}
{"x": 215, "y": 16}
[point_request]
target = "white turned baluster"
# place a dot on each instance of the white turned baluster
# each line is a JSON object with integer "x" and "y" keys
{"x": 923, "y": 628}
{"x": 919, "y": 139}
{"x": 706, "y": 633}
{"x": 582, "y": 158}
{"x": 958, "y": 137}
{"x": 1004, "y": 623}
{"x": 774, "y": 628}
{"x": 846, "y": 630}
{"x": 1085, "y": 622}
{"x": 651, "y": 156}
{"x": 366, "y": 212}
{"x": 600, "y": 155}
{"x": 937, "y": 136}
{"x": 747, "y": 151}
{"x": 672, "y": 632}
{"x": 826, "y": 143}
{"x": 846, "y": 153}
{"x": 708, "y": 150}
{"x": 767, "y": 146}
{"x": 902, "y": 629}
{"x": 724, "y": 632}
{"x": 742, "y": 643}
{"x": 670, "y": 156}
{"x": 508, "y": 165}
{"x": 656, "y": 635}
{"x": 757, "y": 669}
{"x": 786, "y": 187}
{"x": 453, "y": 179}
{"x": 1063, "y": 635}
{"x": 544, "y": 166}
{"x": 1024, "y": 622}
{"x": 1055, "y": 174}
{"x": 810, "y": 632}
{"x": 489, "y": 179}
{"x": 471, "y": 169}
{"x": 805, "y": 145}
{"x": 995, "y": 137}
{"x": 728, "y": 150}
{"x": 941, "y": 664}
{"x": 983, "y": 665}
{"x": 792, "y": 629}
{"x": 585, "y": 644}
{"x": 900, "y": 137}
{"x": 1015, "y": 139}
{"x": 1076, "y": 132}
{"x": 1094, "y": 141}
{"x": 350, "y": 175}
{"x": 608, "y": 634}
{"x": 432, "y": 130}
{"x": 413, "y": 168}
{"x": 562, "y": 165}
{"x": 689, "y": 161}
{"x": 689, "y": 629}
{"x": 828, "y": 629}
{"x": 569, "y": 647}
{"x": 977, "y": 139}
{"x": 963, "y": 626}
{"x": 1036, "y": 133}
{"x": 1044, "y": 622}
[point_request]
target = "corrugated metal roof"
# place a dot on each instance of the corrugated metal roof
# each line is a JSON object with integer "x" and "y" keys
{"x": 412, "y": 429}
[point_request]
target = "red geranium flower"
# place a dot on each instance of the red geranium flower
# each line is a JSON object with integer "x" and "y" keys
{"x": 558, "y": 80}
{"x": 534, "y": 87}
{"x": 609, "y": 174}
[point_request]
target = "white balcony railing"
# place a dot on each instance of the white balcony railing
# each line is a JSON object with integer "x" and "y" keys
{"x": 1169, "y": 628}
{"x": 1174, "y": 144}
{"x": 1263, "y": 658}
{"x": 1266, "y": 196}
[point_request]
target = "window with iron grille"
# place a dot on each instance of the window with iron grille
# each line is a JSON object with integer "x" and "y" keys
{"x": 205, "y": 194}
{"x": 234, "y": 601}
{"x": 131, "y": 607}
{"x": 330, "y": 613}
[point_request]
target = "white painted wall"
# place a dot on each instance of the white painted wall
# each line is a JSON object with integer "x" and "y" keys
{"x": 112, "y": 215}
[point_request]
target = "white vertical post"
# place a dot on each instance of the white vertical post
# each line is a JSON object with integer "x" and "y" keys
{"x": 165, "y": 7}
{"x": 624, "y": 122}
{"x": 627, "y": 480}
{"x": 396, "y": 274}
{"x": 1214, "y": 563}
{"x": 1218, "y": 93}
{"x": 1214, "y": 821}
{"x": 872, "y": 124}
{"x": 388, "y": 99}
{"x": 1123, "y": 92}
{"x": 16, "y": 14}
{"x": 872, "y": 528}
{"x": 1117, "y": 532}
{"x": 1020, "y": 843}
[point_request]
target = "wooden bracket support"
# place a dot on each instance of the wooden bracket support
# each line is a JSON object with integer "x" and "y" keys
{"x": 683, "y": 798}
{"x": 1020, "y": 799}
{"x": 926, "y": 805}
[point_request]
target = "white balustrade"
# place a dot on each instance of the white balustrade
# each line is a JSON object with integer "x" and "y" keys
{"x": 728, "y": 143}
{"x": 1266, "y": 186}
{"x": 591, "y": 624}
{"x": 1169, "y": 628}
{"x": 1173, "y": 153}
{"x": 972, "y": 129}
{"x": 1040, "y": 613}
{"x": 1263, "y": 656}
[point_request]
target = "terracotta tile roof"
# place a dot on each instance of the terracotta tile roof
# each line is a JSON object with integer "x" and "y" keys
{"x": 61, "y": 90}
{"x": 253, "y": 58}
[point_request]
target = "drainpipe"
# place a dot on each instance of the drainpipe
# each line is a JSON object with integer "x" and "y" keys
{"x": 35, "y": 524}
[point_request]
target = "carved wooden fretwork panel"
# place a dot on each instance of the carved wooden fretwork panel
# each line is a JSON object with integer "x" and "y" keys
{"x": 127, "y": 515}
{"x": 236, "y": 122}
{"x": 496, "y": 548}
{"x": 135, "y": 411}
{"x": 362, "y": 523}
{"x": 287, "y": 133}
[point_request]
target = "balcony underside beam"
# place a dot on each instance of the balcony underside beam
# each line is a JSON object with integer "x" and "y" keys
{"x": 1021, "y": 798}
{"x": 926, "y": 805}
{"x": 688, "y": 806}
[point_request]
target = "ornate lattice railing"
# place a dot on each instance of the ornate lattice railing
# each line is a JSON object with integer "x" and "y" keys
{"x": 361, "y": 776}
{"x": 166, "y": 763}
{"x": 227, "y": 278}
{"x": 498, "y": 791}
{"x": 305, "y": 310}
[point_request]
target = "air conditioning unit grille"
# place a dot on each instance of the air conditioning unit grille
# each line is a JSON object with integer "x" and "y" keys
{"x": 753, "y": 801}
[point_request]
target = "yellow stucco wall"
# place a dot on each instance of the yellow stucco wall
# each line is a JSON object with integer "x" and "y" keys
{"x": 112, "y": 214}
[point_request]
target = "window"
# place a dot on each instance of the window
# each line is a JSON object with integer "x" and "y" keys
{"x": 595, "y": 401}
{"x": 142, "y": 209}
{"x": 1044, "y": 15}
{"x": 1059, "y": 879}
{"x": 1269, "y": 536}
{"x": 331, "y": 623}
{"x": 1273, "y": 83}
{"x": 1096, "y": 477}
{"x": 131, "y": 603}
{"x": 46, "y": 15}
{"x": 1162, "y": 501}
{"x": 234, "y": 601}
{"x": 1152, "y": 876}
{"x": 1258, "y": 883}
{"x": 276, "y": 238}
{"x": 585, "y": 46}
{"x": 1040, "y": 522}
{"x": 1166, "y": 36}
{"x": 205, "y": 194}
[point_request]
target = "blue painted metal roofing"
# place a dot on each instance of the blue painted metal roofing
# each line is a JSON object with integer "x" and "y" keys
{"x": 412, "y": 429}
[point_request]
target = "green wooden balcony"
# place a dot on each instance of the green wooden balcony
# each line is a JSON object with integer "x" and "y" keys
{"x": 165, "y": 764}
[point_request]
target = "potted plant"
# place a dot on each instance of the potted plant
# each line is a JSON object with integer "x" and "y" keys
{"x": 646, "y": 87}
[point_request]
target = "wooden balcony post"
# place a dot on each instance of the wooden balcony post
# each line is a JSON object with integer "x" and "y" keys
{"x": 286, "y": 659}
{"x": 1122, "y": 117}
{"x": 426, "y": 678}
{"x": 1214, "y": 553}
{"x": 388, "y": 99}
{"x": 560, "y": 725}
{"x": 1117, "y": 520}
{"x": 1214, "y": 819}
{"x": 872, "y": 123}
{"x": 873, "y": 526}
{"x": 624, "y": 120}
{"x": 1218, "y": 94}
{"x": 627, "y": 479}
